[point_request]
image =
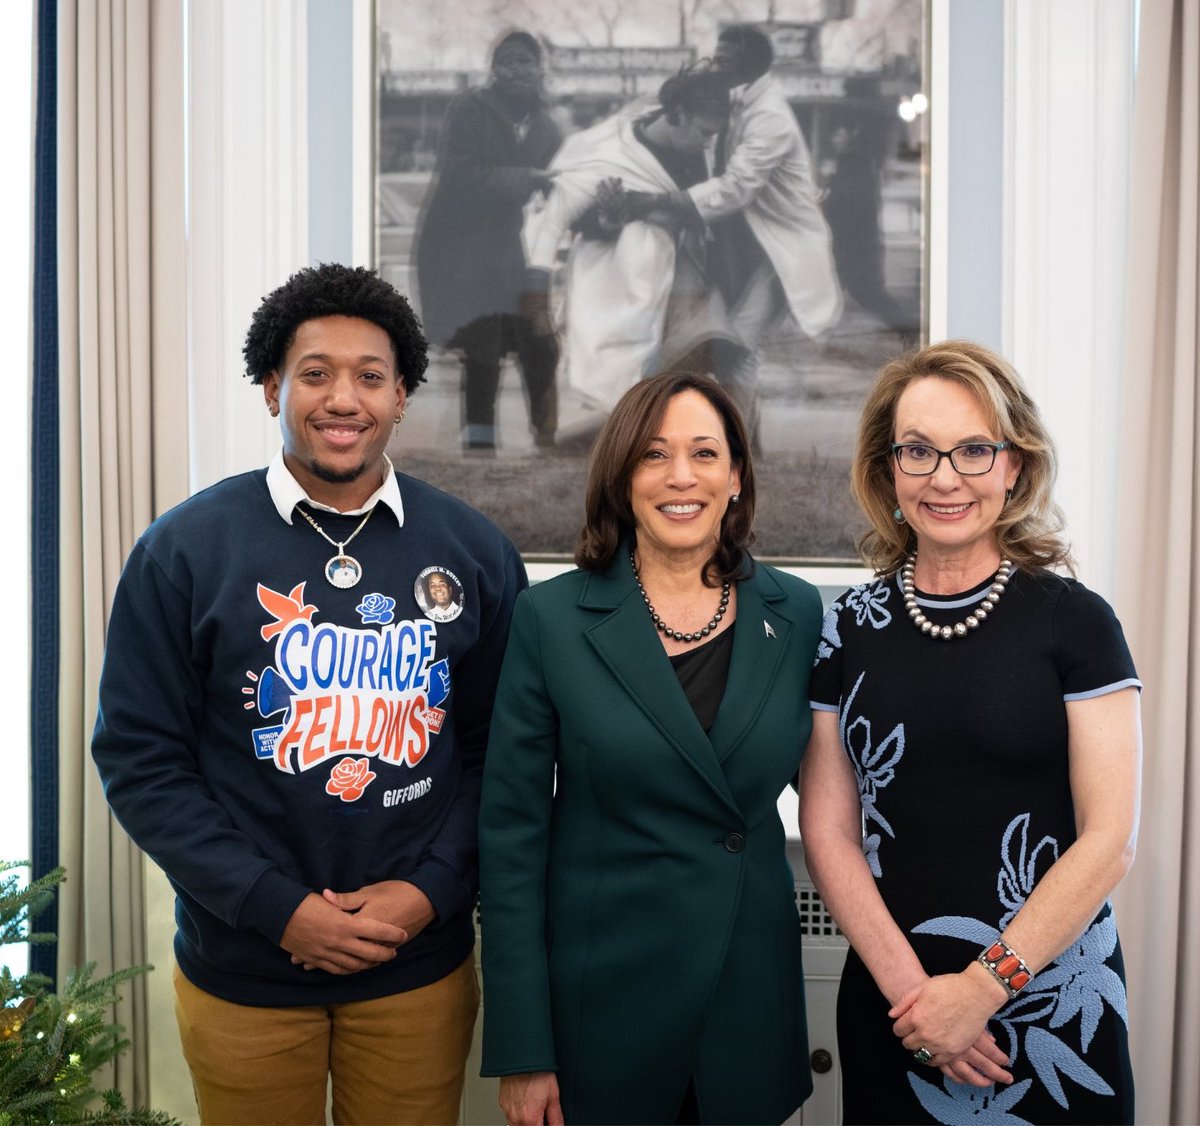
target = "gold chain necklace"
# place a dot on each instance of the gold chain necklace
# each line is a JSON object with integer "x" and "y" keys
{"x": 342, "y": 570}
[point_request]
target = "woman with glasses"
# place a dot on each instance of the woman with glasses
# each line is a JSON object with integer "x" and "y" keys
{"x": 969, "y": 797}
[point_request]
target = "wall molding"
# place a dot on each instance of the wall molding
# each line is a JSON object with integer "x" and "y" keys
{"x": 247, "y": 211}
{"x": 1068, "y": 105}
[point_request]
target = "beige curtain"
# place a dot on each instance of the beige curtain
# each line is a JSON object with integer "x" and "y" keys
{"x": 123, "y": 423}
{"x": 1159, "y": 560}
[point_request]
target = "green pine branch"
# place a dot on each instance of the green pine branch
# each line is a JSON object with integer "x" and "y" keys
{"x": 52, "y": 1044}
{"x": 19, "y": 905}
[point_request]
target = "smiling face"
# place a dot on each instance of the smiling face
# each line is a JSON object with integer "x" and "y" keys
{"x": 683, "y": 481}
{"x": 337, "y": 394}
{"x": 439, "y": 590}
{"x": 953, "y": 516}
{"x": 516, "y": 70}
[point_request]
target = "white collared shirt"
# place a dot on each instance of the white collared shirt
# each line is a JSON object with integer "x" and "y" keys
{"x": 286, "y": 492}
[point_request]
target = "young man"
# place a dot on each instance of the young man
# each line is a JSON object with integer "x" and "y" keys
{"x": 299, "y": 746}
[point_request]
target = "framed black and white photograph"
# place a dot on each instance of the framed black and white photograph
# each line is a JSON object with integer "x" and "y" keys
{"x": 579, "y": 196}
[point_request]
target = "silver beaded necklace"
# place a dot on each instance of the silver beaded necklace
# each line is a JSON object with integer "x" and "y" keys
{"x": 971, "y": 622}
{"x": 342, "y": 570}
{"x": 662, "y": 626}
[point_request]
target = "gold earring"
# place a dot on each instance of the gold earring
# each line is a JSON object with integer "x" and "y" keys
{"x": 398, "y": 419}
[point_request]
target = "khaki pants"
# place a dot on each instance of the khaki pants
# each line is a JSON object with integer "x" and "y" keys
{"x": 398, "y": 1059}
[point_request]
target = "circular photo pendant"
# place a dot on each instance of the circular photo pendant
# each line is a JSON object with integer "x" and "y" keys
{"x": 343, "y": 571}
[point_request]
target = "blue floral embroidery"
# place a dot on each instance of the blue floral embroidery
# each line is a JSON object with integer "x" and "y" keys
{"x": 1084, "y": 982}
{"x": 960, "y": 1104}
{"x": 874, "y": 768}
{"x": 1077, "y": 982}
{"x": 376, "y": 608}
{"x": 867, "y": 600}
{"x": 1049, "y": 1055}
{"x": 830, "y": 638}
{"x": 1019, "y": 875}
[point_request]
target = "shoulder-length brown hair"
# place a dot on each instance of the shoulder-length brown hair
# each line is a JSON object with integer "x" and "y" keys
{"x": 625, "y": 437}
{"x": 1030, "y": 528}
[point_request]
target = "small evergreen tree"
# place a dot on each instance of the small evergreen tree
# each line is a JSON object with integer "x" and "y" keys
{"x": 51, "y": 1044}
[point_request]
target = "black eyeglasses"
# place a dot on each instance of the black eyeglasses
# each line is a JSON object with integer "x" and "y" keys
{"x": 972, "y": 459}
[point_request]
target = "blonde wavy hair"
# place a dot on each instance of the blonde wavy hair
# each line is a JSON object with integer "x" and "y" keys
{"x": 1030, "y": 528}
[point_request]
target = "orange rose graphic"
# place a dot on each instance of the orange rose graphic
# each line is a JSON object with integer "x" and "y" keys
{"x": 349, "y": 778}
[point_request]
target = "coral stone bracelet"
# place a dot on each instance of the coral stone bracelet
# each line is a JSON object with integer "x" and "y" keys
{"x": 1006, "y": 966}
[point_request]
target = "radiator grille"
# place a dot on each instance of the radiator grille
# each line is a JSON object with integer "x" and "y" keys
{"x": 816, "y": 923}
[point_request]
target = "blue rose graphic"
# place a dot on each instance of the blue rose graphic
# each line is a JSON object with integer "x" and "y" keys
{"x": 376, "y": 608}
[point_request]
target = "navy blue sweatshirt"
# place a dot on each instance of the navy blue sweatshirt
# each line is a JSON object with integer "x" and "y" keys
{"x": 263, "y": 734}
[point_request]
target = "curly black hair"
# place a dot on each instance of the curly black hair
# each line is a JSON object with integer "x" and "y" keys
{"x": 333, "y": 290}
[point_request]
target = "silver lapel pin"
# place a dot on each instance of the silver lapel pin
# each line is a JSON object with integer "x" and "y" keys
{"x": 767, "y": 626}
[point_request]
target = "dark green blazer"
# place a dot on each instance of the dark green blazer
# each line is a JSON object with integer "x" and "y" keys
{"x": 639, "y": 923}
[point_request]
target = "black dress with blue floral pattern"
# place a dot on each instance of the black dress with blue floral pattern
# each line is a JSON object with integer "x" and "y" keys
{"x": 960, "y": 752}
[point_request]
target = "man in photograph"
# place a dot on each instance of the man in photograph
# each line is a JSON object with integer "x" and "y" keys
{"x": 300, "y": 748}
{"x": 773, "y": 257}
{"x": 773, "y": 242}
{"x": 496, "y": 142}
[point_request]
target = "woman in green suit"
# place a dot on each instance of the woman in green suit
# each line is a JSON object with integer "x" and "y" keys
{"x": 641, "y": 948}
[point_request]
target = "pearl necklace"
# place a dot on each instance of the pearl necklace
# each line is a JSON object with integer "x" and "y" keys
{"x": 662, "y": 626}
{"x": 970, "y": 622}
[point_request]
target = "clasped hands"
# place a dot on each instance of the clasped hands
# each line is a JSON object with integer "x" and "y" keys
{"x": 947, "y": 1015}
{"x": 345, "y": 932}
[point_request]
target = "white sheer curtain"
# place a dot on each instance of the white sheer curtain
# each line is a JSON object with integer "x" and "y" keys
{"x": 1159, "y": 559}
{"x": 123, "y": 423}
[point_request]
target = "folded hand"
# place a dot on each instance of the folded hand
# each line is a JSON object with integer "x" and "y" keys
{"x": 320, "y": 936}
{"x": 947, "y": 1016}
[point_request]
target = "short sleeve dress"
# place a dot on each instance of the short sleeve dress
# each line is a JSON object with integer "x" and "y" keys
{"x": 960, "y": 752}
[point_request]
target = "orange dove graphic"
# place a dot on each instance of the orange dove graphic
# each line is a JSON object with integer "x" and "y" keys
{"x": 285, "y": 608}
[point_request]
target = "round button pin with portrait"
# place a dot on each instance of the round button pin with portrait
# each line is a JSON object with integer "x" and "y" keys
{"x": 439, "y": 594}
